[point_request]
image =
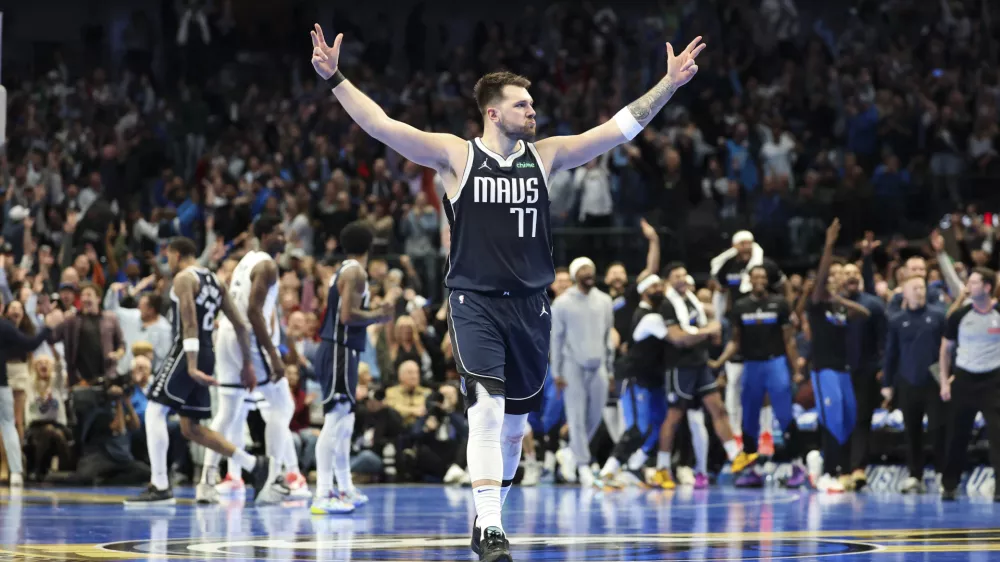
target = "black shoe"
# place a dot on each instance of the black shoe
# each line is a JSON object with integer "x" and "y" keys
{"x": 264, "y": 473}
{"x": 477, "y": 534}
{"x": 495, "y": 547}
{"x": 949, "y": 495}
{"x": 996, "y": 498}
{"x": 152, "y": 496}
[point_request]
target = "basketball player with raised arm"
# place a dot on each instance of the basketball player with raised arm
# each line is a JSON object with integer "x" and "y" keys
{"x": 182, "y": 382}
{"x": 254, "y": 292}
{"x": 343, "y": 336}
{"x": 500, "y": 259}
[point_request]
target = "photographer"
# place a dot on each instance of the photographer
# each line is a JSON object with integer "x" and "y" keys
{"x": 438, "y": 439}
{"x": 107, "y": 421}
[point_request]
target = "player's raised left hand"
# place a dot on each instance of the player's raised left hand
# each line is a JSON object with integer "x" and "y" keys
{"x": 681, "y": 67}
{"x": 325, "y": 57}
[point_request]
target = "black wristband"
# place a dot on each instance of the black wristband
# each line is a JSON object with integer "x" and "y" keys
{"x": 336, "y": 79}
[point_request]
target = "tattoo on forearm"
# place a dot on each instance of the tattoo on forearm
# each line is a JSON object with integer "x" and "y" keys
{"x": 647, "y": 106}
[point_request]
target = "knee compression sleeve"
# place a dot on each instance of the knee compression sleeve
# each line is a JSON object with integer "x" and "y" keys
{"x": 157, "y": 441}
{"x": 229, "y": 416}
{"x": 511, "y": 438}
{"x": 277, "y": 435}
{"x": 326, "y": 447}
{"x": 486, "y": 420}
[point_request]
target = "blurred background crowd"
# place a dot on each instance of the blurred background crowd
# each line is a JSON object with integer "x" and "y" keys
{"x": 194, "y": 117}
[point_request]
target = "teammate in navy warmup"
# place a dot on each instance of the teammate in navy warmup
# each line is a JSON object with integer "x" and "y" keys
{"x": 763, "y": 333}
{"x": 828, "y": 313}
{"x": 911, "y": 347}
{"x": 182, "y": 382}
{"x": 342, "y": 338}
{"x": 501, "y": 250}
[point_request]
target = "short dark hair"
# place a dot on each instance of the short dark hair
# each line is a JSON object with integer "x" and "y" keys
{"x": 489, "y": 88}
{"x": 670, "y": 267}
{"x": 265, "y": 225}
{"x": 562, "y": 270}
{"x": 356, "y": 238}
{"x": 155, "y": 301}
{"x": 92, "y": 286}
{"x": 183, "y": 246}
{"x": 989, "y": 276}
{"x": 755, "y": 268}
{"x": 614, "y": 263}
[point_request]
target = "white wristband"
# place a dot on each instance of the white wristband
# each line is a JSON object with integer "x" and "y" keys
{"x": 192, "y": 344}
{"x": 627, "y": 123}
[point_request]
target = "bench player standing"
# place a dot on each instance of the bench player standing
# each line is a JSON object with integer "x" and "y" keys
{"x": 343, "y": 336}
{"x": 764, "y": 335}
{"x": 500, "y": 262}
{"x": 182, "y": 382}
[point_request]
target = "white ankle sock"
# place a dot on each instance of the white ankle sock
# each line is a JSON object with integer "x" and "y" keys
{"x": 732, "y": 449}
{"x": 663, "y": 460}
{"x": 488, "y": 504}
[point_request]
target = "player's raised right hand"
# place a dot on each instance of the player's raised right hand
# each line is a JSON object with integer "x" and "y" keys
{"x": 325, "y": 57}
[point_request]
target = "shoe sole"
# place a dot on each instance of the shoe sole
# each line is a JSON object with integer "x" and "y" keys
{"x": 321, "y": 511}
{"x": 272, "y": 477}
{"x": 157, "y": 503}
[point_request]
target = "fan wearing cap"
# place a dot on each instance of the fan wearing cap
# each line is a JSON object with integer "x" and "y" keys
{"x": 688, "y": 377}
{"x": 582, "y": 320}
{"x": 732, "y": 271}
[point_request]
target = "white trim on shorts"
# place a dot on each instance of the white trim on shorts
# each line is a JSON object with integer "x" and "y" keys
{"x": 458, "y": 352}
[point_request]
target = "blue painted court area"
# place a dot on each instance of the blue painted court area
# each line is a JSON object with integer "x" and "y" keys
{"x": 547, "y": 524}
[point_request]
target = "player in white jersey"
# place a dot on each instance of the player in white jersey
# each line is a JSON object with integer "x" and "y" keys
{"x": 254, "y": 291}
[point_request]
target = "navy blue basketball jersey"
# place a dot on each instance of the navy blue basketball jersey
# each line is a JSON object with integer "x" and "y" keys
{"x": 332, "y": 329}
{"x": 207, "y": 301}
{"x": 501, "y": 241}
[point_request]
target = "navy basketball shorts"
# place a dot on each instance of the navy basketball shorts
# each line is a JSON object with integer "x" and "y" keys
{"x": 336, "y": 367}
{"x": 173, "y": 386}
{"x": 501, "y": 343}
{"x": 687, "y": 385}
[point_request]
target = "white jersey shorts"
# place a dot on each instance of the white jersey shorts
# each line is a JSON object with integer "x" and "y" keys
{"x": 229, "y": 360}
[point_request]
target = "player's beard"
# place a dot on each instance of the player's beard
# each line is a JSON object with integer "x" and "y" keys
{"x": 524, "y": 132}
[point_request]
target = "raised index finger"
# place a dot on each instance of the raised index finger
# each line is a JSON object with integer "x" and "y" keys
{"x": 320, "y": 36}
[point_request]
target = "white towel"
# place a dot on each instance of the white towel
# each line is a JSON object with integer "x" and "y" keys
{"x": 756, "y": 258}
{"x": 683, "y": 313}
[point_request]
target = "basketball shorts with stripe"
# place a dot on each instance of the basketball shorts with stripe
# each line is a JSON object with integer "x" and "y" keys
{"x": 229, "y": 361}
{"x": 173, "y": 386}
{"x": 336, "y": 367}
{"x": 501, "y": 343}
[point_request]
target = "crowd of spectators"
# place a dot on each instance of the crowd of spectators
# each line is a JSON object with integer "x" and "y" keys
{"x": 888, "y": 123}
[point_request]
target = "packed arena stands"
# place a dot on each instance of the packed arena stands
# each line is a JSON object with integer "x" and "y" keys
{"x": 198, "y": 118}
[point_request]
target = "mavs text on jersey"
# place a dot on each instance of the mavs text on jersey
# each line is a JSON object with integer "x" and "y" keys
{"x": 499, "y": 266}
